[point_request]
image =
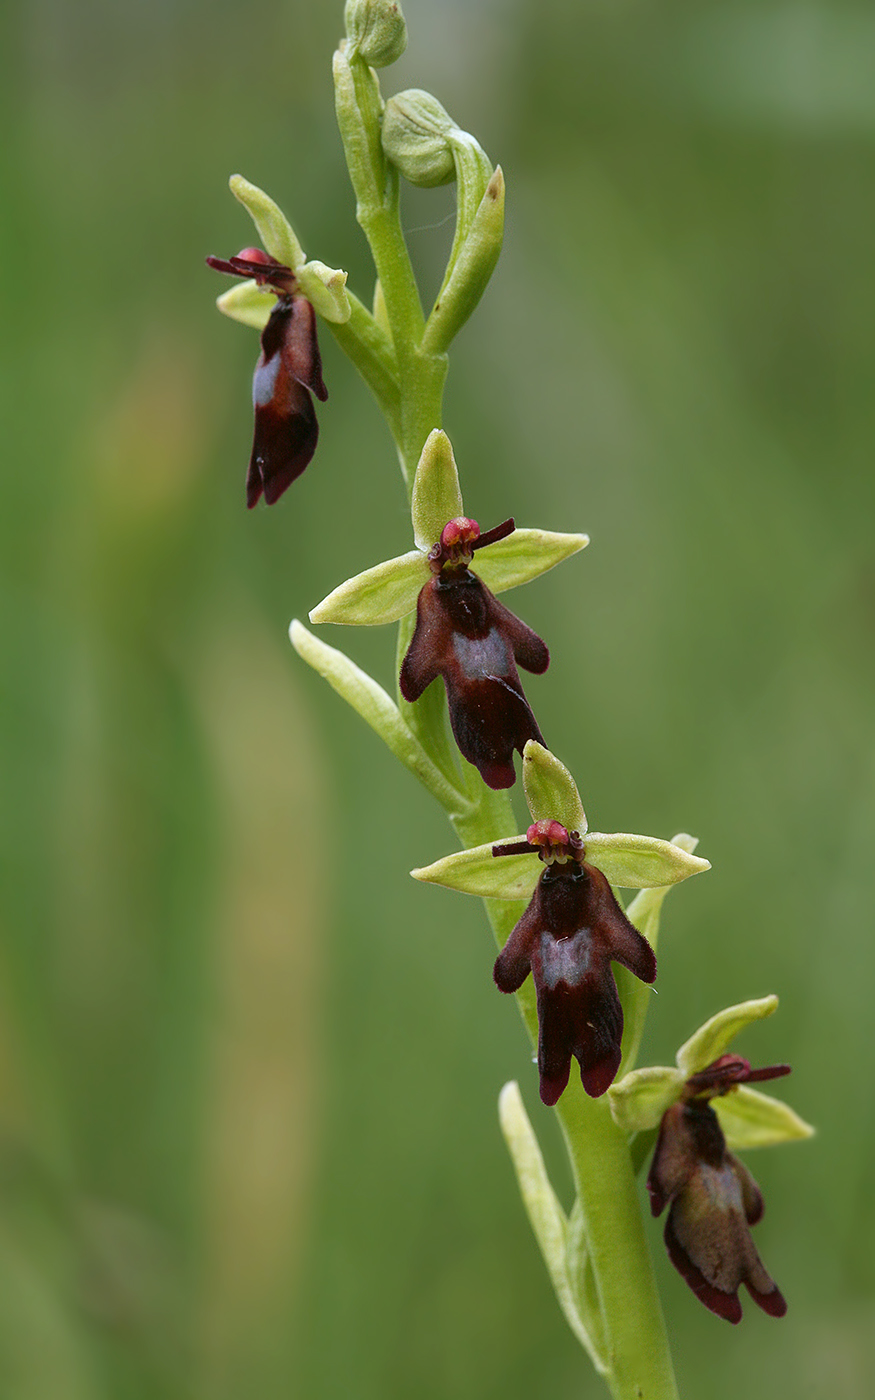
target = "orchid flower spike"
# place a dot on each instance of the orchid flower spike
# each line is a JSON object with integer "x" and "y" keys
{"x": 463, "y": 633}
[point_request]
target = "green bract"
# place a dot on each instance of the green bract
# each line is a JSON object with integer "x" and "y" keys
{"x": 387, "y": 591}
{"x": 549, "y": 1222}
{"x": 324, "y": 287}
{"x": 379, "y": 710}
{"x": 748, "y": 1118}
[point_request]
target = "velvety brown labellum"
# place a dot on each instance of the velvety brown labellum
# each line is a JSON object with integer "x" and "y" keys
{"x": 286, "y": 431}
{"x": 714, "y": 1201}
{"x": 567, "y": 938}
{"x": 472, "y": 641}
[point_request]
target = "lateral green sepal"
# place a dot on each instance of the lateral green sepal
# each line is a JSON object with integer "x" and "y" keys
{"x": 640, "y": 862}
{"x": 751, "y": 1119}
{"x": 381, "y": 594}
{"x": 640, "y": 1098}
{"x": 523, "y": 556}
{"x": 477, "y": 871}
{"x": 247, "y": 303}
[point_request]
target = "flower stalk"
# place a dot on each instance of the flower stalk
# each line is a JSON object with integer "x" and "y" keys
{"x": 456, "y": 719}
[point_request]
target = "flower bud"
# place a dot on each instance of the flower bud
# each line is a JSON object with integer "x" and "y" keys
{"x": 417, "y": 134}
{"x": 376, "y": 31}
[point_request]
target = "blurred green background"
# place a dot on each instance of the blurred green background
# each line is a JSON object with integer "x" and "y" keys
{"x": 248, "y": 1070}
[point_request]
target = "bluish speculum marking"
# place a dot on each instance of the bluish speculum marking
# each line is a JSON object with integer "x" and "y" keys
{"x": 565, "y": 959}
{"x": 479, "y": 656}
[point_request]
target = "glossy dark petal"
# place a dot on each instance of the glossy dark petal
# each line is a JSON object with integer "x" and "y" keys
{"x": 464, "y": 635}
{"x": 713, "y": 1202}
{"x": 286, "y": 431}
{"x": 570, "y": 933}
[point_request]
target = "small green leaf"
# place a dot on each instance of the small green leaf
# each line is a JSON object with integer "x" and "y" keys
{"x": 640, "y": 862}
{"x": 276, "y": 232}
{"x": 378, "y": 710}
{"x": 551, "y": 792}
{"x": 546, "y": 1215}
{"x": 325, "y": 289}
{"x": 640, "y": 1098}
{"x": 247, "y": 303}
{"x": 752, "y": 1119}
{"x": 478, "y": 871}
{"x": 524, "y": 555}
{"x": 381, "y": 594}
{"x": 710, "y": 1041}
{"x": 437, "y": 496}
{"x": 644, "y": 912}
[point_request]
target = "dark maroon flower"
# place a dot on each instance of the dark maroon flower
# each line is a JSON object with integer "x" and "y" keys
{"x": 567, "y": 938}
{"x": 714, "y": 1199}
{"x": 474, "y": 642}
{"x": 288, "y": 368}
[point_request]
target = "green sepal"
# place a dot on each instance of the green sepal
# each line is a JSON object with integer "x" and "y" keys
{"x": 477, "y": 871}
{"x": 274, "y": 229}
{"x": 381, "y": 594}
{"x": 751, "y": 1119}
{"x": 551, "y": 792}
{"x": 640, "y": 862}
{"x": 377, "y": 709}
{"x": 248, "y": 303}
{"x": 548, "y": 1220}
{"x": 710, "y": 1041}
{"x": 640, "y": 1098}
{"x": 470, "y": 267}
{"x": 523, "y": 556}
{"x": 436, "y": 496}
{"x": 325, "y": 289}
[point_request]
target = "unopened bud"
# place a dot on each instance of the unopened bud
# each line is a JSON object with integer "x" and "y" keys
{"x": 376, "y": 31}
{"x": 417, "y": 135}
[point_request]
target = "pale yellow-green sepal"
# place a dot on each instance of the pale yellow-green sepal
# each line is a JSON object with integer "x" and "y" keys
{"x": 477, "y": 871}
{"x": 381, "y": 594}
{"x": 436, "y": 496}
{"x": 325, "y": 289}
{"x": 640, "y": 862}
{"x": 248, "y": 303}
{"x": 751, "y": 1119}
{"x": 550, "y": 790}
{"x": 275, "y": 231}
{"x": 524, "y": 555}
{"x": 640, "y": 1098}
{"x": 711, "y": 1040}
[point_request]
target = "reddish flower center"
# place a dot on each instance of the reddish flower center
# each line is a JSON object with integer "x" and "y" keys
{"x": 555, "y": 843}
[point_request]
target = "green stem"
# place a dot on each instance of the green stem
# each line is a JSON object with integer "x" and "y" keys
{"x": 638, "y": 1363}
{"x": 615, "y": 1277}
